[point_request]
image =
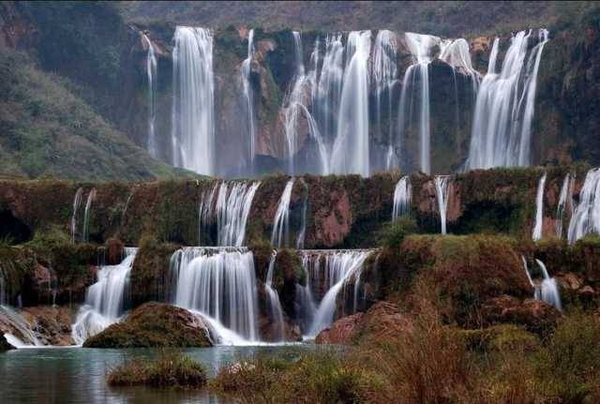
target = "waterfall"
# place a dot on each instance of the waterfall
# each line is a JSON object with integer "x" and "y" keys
{"x": 421, "y": 47}
{"x": 586, "y": 216}
{"x": 383, "y": 72}
{"x": 456, "y": 53}
{"x": 249, "y": 97}
{"x": 22, "y": 336}
{"x": 281, "y": 225}
{"x": 350, "y": 153}
{"x": 302, "y": 232}
{"x": 327, "y": 281}
{"x": 104, "y": 299}
{"x": 442, "y": 192}
{"x": 273, "y": 303}
{"x": 547, "y": 289}
{"x": 76, "y": 203}
{"x": 86, "y": 216}
{"x": 402, "y": 198}
{"x": 151, "y": 72}
{"x": 501, "y": 131}
{"x": 228, "y": 204}
{"x": 565, "y": 201}
{"x": 220, "y": 284}
{"x": 193, "y": 131}
{"x": 539, "y": 210}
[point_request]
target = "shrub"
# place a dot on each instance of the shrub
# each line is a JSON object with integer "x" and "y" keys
{"x": 393, "y": 234}
{"x": 169, "y": 370}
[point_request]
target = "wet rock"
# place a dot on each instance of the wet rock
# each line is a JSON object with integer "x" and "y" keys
{"x": 154, "y": 325}
{"x": 51, "y": 324}
{"x": 341, "y": 331}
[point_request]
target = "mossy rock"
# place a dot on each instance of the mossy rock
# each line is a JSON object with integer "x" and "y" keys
{"x": 154, "y": 325}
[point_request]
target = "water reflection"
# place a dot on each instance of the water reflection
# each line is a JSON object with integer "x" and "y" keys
{"x": 78, "y": 375}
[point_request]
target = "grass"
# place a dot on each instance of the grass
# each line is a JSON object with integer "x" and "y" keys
{"x": 171, "y": 369}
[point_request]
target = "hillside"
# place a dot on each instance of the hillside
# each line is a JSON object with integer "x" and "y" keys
{"x": 48, "y": 131}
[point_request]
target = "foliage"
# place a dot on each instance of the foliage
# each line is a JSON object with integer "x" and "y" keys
{"x": 170, "y": 370}
{"x": 393, "y": 234}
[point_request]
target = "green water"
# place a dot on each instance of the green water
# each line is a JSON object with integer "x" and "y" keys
{"x": 78, "y": 375}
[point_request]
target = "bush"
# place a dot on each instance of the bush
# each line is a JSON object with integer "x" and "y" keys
{"x": 393, "y": 234}
{"x": 169, "y": 370}
{"x": 568, "y": 370}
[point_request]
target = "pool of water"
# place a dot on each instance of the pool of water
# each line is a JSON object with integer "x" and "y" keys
{"x": 78, "y": 375}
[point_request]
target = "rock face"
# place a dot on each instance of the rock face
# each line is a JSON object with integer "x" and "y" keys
{"x": 51, "y": 324}
{"x": 154, "y": 325}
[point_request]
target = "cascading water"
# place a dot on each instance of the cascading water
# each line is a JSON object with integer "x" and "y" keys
{"x": 86, "y": 216}
{"x": 193, "y": 130}
{"x": 249, "y": 98}
{"x": 402, "y": 198}
{"x": 442, "y": 192}
{"x": 501, "y": 131}
{"x": 273, "y": 302}
{"x": 21, "y": 335}
{"x": 151, "y": 72}
{"x": 104, "y": 299}
{"x": 220, "y": 284}
{"x": 302, "y": 232}
{"x": 565, "y": 202}
{"x": 340, "y": 266}
{"x": 586, "y": 216}
{"x": 547, "y": 289}
{"x": 421, "y": 48}
{"x": 281, "y": 225}
{"x": 76, "y": 204}
{"x": 539, "y": 210}
{"x": 383, "y": 73}
{"x": 230, "y": 210}
{"x": 350, "y": 154}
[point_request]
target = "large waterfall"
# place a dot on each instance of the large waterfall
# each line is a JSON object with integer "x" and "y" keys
{"x": 327, "y": 273}
{"x": 228, "y": 206}
{"x": 539, "y": 210}
{"x": 501, "y": 130}
{"x": 151, "y": 72}
{"x": 350, "y": 154}
{"x": 421, "y": 48}
{"x": 193, "y": 130}
{"x": 104, "y": 299}
{"x": 384, "y": 69}
{"x": 586, "y": 216}
{"x": 281, "y": 225}
{"x": 249, "y": 98}
{"x": 402, "y": 198}
{"x": 220, "y": 284}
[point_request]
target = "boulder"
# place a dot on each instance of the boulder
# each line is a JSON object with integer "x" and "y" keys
{"x": 52, "y": 324}
{"x": 154, "y": 325}
{"x": 535, "y": 315}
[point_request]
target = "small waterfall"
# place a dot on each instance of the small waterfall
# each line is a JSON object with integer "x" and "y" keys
{"x": 86, "y": 216}
{"x": 22, "y": 336}
{"x": 230, "y": 210}
{"x": 402, "y": 198}
{"x": 76, "y": 203}
{"x": 547, "y": 289}
{"x": 249, "y": 97}
{"x": 501, "y": 131}
{"x": 281, "y": 225}
{"x": 151, "y": 72}
{"x": 302, "y": 232}
{"x": 442, "y": 192}
{"x": 104, "y": 299}
{"x": 565, "y": 201}
{"x": 421, "y": 48}
{"x": 193, "y": 131}
{"x": 273, "y": 303}
{"x": 125, "y": 209}
{"x": 383, "y": 72}
{"x": 586, "y": 216}
{"x": 327, "y": 281}
{"x": 539, "y": 210}
{"x": 350, "y": 153}
{"x": 220, "y": 284}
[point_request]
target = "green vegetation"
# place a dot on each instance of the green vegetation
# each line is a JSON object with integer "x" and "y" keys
{"x": 393, "y": 234}
{"x": 47, "y": 131}
{"x": 170, "y": 370}
{"x": 153, "y": 325}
